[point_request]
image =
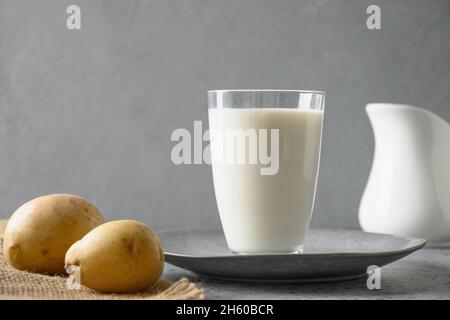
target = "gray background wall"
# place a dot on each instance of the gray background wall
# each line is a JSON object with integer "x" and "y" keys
{"x": 90, "y": 112}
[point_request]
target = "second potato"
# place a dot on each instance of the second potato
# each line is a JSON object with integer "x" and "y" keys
{"x": 117, "y": 257}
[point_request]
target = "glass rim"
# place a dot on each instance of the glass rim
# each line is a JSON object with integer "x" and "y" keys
{"x": 267, "y": 90}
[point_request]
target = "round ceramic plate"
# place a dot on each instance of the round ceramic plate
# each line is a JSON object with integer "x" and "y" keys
{"x": 330, "y": 255}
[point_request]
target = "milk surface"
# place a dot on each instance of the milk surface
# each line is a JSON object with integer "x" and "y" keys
{"x": 268, "y": 213}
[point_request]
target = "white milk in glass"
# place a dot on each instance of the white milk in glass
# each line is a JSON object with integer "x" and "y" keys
{"x": 267, "y": 213}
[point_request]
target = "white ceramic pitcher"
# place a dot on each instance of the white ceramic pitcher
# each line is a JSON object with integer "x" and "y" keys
{"x": 408, "y": 191}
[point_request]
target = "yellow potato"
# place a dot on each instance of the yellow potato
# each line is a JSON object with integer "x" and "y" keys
{"x": 117, "y": 257}
{"x": 41, "y": 231}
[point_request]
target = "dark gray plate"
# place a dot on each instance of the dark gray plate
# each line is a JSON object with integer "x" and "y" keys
{"x": 330, "y": 255}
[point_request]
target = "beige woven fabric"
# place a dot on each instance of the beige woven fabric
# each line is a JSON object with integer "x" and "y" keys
{"x": 15, "y": 284}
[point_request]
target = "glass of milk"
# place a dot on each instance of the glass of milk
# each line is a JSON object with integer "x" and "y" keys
{"x": 265, "y": 152}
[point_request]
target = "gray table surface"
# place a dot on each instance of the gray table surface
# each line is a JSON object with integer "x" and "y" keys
{"x": 424, "y": 274}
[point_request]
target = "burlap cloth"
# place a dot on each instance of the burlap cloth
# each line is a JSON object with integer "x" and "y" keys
{"x": 15, "y": 284}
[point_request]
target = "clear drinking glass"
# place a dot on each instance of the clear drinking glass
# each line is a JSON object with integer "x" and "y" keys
{"x": 265, "y": 152}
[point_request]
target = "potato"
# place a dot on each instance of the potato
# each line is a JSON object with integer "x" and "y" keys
{"x": 121, "y": 256}
{"x": 41, "y": 231}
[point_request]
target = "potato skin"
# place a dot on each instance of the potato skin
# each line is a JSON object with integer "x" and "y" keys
{"x": 39, "y": 233}
{"x": 122, "y": 256}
